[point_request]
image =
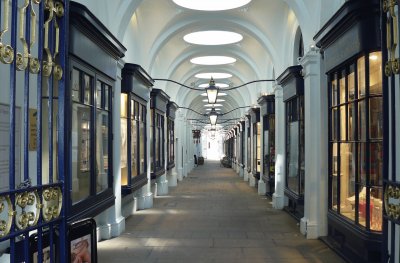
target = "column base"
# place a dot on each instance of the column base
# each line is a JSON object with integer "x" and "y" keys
{"x": 173, "y": 179}
{"x": 241, "y": 172}
{"x": 245, "y": 176}
{"x": 303, "y": 226}
{"x": 252, "y": 180}
{"x": 278, "y": 201}
{"x": 309, "y": 229}
{"x": 111, "y": 230}
{"x": 262, "y": 187}
{"x": 180, "y": 174}
{"x": 161, "y": 186}
{"x": 144, "y": 201}
{"x": 129, "y": 205}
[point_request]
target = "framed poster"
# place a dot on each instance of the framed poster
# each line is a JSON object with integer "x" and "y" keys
{"x": 5, "y": 146}
{"x": 82, "y": 241}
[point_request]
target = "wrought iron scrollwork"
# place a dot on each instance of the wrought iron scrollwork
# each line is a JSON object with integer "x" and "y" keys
{"x": 6, "y": 51}
{"x": 55, "y": 10}
{"x": 6, "y": 215}
{"x": 391, "y": 202}
{"x": 52, "y": 203}
{"x": 392, "y": 66}
{"x": 27, "y": 209}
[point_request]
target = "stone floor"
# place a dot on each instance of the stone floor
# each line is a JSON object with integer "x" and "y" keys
{"x": 213, "y": 216}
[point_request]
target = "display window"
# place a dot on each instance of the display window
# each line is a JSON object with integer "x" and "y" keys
{"x": 257, "y": 147}
{"x": 133, "y": 138}
{"x": 295, "y": 145}
{"x": 171, "y": 142}
{"x": 91, "y": 129}
{"x": 269, "y": 147}
{"x": 156, "y": 141}
{"x": 355, "y": 112}
{"x": 248, "y": 150}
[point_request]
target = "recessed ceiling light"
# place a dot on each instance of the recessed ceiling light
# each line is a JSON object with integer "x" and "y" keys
{"x": 214, "y": 75}
{"x": 215, "y": 109}
{"x": 219, "y": 94}
{"x": 219, "y": 85}
{"x": 213, "y": 38}
{"x": 213, "y": 105}
{"x": 211, "y": 5}
{"x": 213, "y": 60}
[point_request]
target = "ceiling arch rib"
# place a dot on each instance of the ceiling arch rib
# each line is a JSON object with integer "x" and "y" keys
{"x": 181, "y": 25}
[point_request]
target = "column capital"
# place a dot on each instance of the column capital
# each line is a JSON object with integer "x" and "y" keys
{"x": 310, "y": 63}
{"x": 278, "y": 91}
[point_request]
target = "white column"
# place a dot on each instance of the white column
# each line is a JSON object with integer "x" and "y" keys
{"x": 111, "y": 223}
{"x": 245, "y": 173}
{"x": 314, "y": 222}
{"x": 262, "y": 186}
{"x": 186, "y": 149}
{"x": 278, "y": 198}
{"x": 179, "y": 144}
{"x": 144, "y": 195}
{"x": 162, "y": 182}
{"x": 252, "y": 179}
{"x": 173, "y": 178}
{"x": 241, "y": 169}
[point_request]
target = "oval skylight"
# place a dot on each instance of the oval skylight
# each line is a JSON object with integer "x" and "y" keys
{"x": 213, "y": 60}
{"x": 219, "y": 94}
{"x": 211, "y": 5}
{"x": 218, "y": 100}
{"x": 212, "y": 38}
{"x": 213, "y": 75}
{"x": 219, "y": 85}
{"x": 213, "y": 105}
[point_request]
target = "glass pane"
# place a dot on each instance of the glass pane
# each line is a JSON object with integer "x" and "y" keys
{"x": 375, "y": 118}
{"x": 272, "y": 146}
{"x": 248, "y": 152}
{"x": 124, "y": 151}
{"x": 151, "y": 148}
{"x": 375, "y": 73}
{"x": 362, "y": 197}
{"x": 107, "y": 90}
{"x": 293, "y": 160}
{"x": 258, "y": 147}
{"x": 98, "y": 94}
{"x": 124, "y": 105}
{"x": 376, "y": 209}
{"x": 351, "y": 121}
{"x": 361, "y": 77}
{"x": 362, "y": 163}
{"x": 81, "y": 152}
{"x": 142, "y": 138}
{"x": 334, "y": 175}
{"x": 157, "y": 146}
{"x": 335, "y": 124}
{"x": 351, "y": 84}
{"x": 76, "y": 86}
{"x": 347, "y": 180}
{"x": 342, "y": 87}
{"x": 376, "y": 156}
{"x": 362, "y": 128}
{"x": 334, "y": 92}
{"x": 87, "y": 98}
{"x": 137, "y": 110}
{"x": 102, "y": 144}
{"x": 266, "y": 154}
{"x": 343, "y": 122}
{"x": 134, "y": 148}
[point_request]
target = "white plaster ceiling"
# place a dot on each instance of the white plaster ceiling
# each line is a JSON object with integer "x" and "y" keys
{"x": 153, "y": 30}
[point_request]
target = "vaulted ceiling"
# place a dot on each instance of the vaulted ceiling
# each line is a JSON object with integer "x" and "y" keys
{"x": 153, "y": 32}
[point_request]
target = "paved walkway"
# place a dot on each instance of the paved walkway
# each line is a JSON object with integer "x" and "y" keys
{"x": 213, "y": 216}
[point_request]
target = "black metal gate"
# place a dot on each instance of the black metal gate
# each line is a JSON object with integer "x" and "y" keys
{"x": 33, "y": 50}
{"x": 391, "y": 66}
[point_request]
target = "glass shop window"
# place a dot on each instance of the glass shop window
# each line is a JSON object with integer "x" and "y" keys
{"x": 132, "y": 138}
{"x": 248, "y": 149}
{"x": 355, "y": 155}
{"x": 157, "y": 141}
{"x": 269, "y": 145}
{"x": 171, "y": 141}
{"x": 257, "y": 147}
{"x": 295, "y": 145}
{"x": 91, "y": 134}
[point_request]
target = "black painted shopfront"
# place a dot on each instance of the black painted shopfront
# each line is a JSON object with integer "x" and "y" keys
{"x": 354, "y": 81}
{"x": 135, "y": 95}
{"x": 292, "y": 83}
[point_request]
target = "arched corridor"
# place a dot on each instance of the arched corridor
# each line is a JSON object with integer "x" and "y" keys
{"x": 213, "y": 216}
